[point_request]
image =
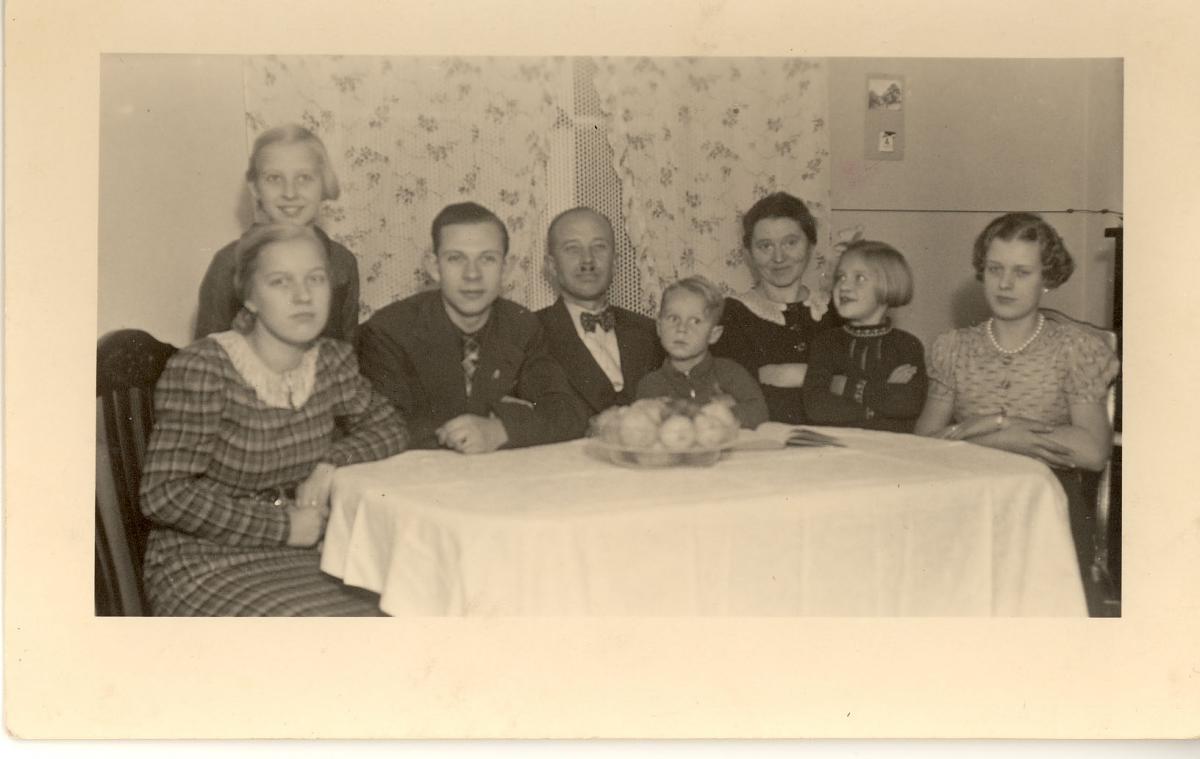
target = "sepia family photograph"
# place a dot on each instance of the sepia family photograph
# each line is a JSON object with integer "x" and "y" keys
{"x": 647, "y": 336}
{"x": 596, "y": 383}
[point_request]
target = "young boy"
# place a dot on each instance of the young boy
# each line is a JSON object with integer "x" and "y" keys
{"x": 468, "y": 369}
{"x": 688, "y": 322}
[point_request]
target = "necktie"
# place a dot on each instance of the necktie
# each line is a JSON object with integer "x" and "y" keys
{"x": 605, "y": 320}
{"x": 470, "y": 360}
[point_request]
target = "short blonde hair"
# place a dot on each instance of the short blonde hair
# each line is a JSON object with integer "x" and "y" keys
{"x": 894, "y": 280}
{"x": 714, "y": 299}
{"x": 290, "y": 134}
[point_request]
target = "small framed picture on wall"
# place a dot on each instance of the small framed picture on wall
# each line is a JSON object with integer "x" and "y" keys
{"x": 884, "y": 117}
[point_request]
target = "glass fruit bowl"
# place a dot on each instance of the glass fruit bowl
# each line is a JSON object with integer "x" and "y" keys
{"x": 663, "y": 432}
{"x": 657, "y": 458}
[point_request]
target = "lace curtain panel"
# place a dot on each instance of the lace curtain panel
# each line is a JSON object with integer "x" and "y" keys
{"x": 694, "y": 143}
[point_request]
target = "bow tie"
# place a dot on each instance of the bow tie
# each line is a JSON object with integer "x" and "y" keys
{"x": 605, "y": 320}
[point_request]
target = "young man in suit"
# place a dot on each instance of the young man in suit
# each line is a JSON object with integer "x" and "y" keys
{"x": 468, "y": 369}
{"x": 604, "y": 349}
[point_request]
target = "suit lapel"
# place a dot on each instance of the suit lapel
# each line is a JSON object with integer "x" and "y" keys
{"x": 584, "y": 374}
{"x": 439, "y": 363}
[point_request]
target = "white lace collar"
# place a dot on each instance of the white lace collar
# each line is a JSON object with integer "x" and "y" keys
{"x": 766, "y": 309}
{"x": 290, "y": 390}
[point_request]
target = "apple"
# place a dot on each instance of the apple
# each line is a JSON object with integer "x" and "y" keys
{"x": 607, "y": 426}
{"x": 710, "y": 431}
{"x": 720, "y": 412}
{"x": 655, "y": 408}
{"x": 677, "y": 433}
{"x": 638, "y": 429}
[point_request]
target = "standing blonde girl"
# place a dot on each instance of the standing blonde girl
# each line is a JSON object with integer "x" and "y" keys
{"x": 289, "y": 177}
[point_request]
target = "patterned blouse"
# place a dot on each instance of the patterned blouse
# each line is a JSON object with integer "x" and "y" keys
{"x": 1065, "y": 365}
{"x": 229, "y": 437}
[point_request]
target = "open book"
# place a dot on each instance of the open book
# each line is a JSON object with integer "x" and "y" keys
{"x": 775, "y": 435}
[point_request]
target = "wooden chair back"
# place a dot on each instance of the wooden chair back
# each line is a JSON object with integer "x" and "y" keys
{"x": 128, "y": 365}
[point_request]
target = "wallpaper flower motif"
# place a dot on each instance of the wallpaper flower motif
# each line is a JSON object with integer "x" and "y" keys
{"x": 697, "y": 141}
{"x": 408, "y": 136}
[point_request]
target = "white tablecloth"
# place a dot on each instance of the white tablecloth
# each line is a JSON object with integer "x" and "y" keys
{"x": 889, "y": 525}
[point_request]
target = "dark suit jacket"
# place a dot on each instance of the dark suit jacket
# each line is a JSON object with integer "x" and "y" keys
{"x": 412, "y": 353}
{"x": 637, "y": 340}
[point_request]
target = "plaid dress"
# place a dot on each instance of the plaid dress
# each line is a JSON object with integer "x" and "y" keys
{"x": 218, "y": 457}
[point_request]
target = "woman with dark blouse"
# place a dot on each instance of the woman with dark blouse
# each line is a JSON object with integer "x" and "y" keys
{"x": 250, "y": 426}
{"x": 769, "y": 329}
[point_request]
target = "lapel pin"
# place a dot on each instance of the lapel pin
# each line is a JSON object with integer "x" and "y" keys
{"x": 496, "y": 374}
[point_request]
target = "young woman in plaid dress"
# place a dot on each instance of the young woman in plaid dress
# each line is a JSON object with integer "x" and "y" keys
{"x": 251, "y": 424}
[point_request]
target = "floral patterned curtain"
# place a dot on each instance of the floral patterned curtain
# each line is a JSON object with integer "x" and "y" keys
{"x": 408, "y": 136}
{"x": 697, "y": 141}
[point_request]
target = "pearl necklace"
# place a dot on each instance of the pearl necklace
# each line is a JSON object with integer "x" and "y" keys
{"x": 992, "y": 336}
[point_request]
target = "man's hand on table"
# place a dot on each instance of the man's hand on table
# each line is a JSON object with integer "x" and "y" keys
{"x": 471, "y": 433}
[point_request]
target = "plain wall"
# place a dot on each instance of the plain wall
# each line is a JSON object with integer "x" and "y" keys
{"x": 172, "y": 156}
{"x": 1105, "y": 137}
{"x": 981, "y": 137}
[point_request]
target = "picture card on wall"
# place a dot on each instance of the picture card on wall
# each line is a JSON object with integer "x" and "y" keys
{"x": 884, "y": 118}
